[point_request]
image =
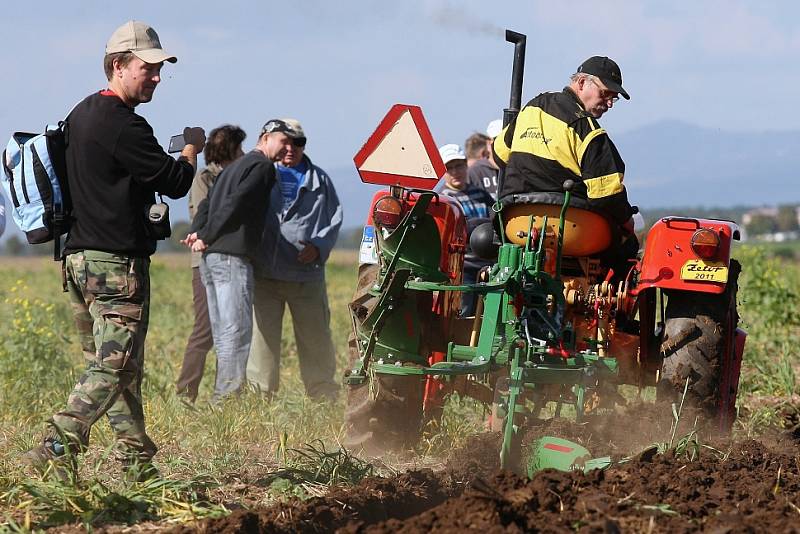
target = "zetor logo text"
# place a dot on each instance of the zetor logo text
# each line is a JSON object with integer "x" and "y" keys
{"x": 699, "y": 268}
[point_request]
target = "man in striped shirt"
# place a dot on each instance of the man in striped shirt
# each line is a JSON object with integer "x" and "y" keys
{"x": 476, "y": 203}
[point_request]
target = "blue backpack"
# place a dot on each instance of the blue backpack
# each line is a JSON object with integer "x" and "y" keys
{"x": 35, "y": 182}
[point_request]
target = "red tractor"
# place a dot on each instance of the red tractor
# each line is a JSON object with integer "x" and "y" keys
{"x": 550, "y": 326}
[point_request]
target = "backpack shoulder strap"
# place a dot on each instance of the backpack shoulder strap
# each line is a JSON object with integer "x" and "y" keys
{"x": 6, "y": 168}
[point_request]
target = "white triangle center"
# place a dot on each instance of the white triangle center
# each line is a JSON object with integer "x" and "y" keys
{"x": 401, "y": 152}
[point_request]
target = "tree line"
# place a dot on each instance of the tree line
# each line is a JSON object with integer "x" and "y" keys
{"x": 760, "y": 221}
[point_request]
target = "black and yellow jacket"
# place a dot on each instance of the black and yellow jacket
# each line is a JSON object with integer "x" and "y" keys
{"x": 554, "y": 139}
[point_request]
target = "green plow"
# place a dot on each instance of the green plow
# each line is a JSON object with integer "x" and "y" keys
{"x": 550, "y": 452}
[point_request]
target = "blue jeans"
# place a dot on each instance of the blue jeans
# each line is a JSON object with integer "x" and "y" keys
{"x": 229, "y": 288}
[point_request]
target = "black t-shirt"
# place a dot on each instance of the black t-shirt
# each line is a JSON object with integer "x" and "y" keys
{"x": 115, "y": 166}
{"x": 482, "y": 174}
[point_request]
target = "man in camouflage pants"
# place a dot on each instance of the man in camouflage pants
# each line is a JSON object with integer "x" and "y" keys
{"x": 110, "y": 299}
{"x": 115, "y": 167}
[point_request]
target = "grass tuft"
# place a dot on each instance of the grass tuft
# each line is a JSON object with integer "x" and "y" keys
{"x": 96, "y": 501}
{"x": 313, "y": 467}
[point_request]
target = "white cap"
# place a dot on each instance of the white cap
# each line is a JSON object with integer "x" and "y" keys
{"x": 494, "y": 128}
{"x": 451, "y": 152}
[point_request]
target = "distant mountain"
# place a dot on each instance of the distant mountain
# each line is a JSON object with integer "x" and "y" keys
{"x": 672, "y": 163}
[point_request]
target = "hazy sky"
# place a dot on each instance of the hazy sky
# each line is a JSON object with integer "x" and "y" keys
{"x": 338, "y": 66}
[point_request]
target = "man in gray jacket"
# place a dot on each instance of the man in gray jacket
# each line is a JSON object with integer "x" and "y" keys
{"x": 302, "y": 225}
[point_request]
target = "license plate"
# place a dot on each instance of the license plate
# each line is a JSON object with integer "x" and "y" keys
{"x": 704, "y": 271}
{"x": 368, "y": 253}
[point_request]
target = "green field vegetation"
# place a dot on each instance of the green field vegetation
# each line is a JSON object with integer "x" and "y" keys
{"x": 787, "y": 250}
{"x": 769, "y": 306}
{"x": 251, "y": 451}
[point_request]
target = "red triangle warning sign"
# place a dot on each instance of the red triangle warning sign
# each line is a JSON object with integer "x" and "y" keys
{"x": 401, "y": 151}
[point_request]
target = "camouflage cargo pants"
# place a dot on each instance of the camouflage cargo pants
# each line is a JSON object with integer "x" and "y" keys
{"x": 110, "y": 297}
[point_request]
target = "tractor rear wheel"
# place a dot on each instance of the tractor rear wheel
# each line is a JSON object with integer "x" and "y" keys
{"x": 697, "y": 345}
{"x": 385, "y": 412}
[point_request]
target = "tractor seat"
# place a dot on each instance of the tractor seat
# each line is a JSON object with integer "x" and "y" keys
{"x": 585, "y": 232}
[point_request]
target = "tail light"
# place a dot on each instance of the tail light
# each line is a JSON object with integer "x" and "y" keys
{"x": 705, "y": 243}
{"x": 388, "y": 212}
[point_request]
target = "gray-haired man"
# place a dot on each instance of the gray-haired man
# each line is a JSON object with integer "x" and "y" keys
{"x": 302, "y": 226}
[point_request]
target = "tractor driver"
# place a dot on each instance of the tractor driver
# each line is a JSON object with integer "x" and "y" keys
{"x": 556, "y": 137}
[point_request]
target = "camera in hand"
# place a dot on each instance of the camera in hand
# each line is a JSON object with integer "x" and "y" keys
{"x": 176, "y": 143}
{"x": 157, "y": 221}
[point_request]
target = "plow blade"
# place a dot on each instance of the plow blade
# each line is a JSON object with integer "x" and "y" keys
{"x": 549, "y": 452}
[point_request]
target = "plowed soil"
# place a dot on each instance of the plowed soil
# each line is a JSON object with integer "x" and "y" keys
{"x": 747, "y": 486}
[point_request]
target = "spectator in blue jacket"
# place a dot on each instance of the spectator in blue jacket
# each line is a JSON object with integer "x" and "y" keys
{"x": 302, "y": 225}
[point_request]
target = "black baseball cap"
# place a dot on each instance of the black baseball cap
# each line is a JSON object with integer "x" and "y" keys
{"x": 608, "y": 72}
{"x": 280, "y": 125}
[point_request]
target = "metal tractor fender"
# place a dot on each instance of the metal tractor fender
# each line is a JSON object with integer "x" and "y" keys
{"x": 692, "y": 255}
{"x": 450, "y": 222}
{"x": 688, "y": 254}
{"x": 439, "y": 257}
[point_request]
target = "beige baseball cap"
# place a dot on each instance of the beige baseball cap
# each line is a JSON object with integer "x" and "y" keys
{"x": 294, "y": 124}
{"x": 140, "y": 39}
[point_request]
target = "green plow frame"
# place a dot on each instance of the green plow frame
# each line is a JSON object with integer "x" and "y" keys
{"x": 522, "y": 325}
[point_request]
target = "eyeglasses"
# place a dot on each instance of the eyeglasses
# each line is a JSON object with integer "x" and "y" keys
{"x": 299, "y": 142}
{"x": 605, "y": 94}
